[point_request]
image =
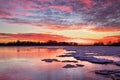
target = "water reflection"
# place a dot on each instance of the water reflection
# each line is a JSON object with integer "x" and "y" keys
{"x": 24, "y": 63}
{"x": 28, "y": 52}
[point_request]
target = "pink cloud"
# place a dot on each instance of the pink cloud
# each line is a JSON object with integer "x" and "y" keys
{"x": 6, "y": 15}
{"x": 23, "y": 14}
{"x": 14, "y": 7}
{"x": 43, "y": 0}
{"x": 6, "y": 76}
{"x": 27, "y": 8}
{"x": 88, "y": 3}
{"x": 62, "y": 8}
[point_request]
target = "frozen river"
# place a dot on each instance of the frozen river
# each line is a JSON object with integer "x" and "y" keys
{"x": 24, "y": 63}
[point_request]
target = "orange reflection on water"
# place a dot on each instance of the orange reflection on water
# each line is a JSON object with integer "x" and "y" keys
{"x": 31, "y": 56}
{"x": 29, "y": 52}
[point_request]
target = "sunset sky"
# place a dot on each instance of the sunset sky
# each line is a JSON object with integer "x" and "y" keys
{"x": 82, "y": 21}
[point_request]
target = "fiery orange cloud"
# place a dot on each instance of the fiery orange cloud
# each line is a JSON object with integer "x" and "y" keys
{"x": 39, "y": 37}
{"x": 33, "y": 37}
{"x": 111, "y": 39}
{"x": 43, "y": 38}
{"x": 46, "y": 37}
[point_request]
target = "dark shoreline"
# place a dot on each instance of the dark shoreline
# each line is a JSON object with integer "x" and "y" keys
{"x": 55, "y": 43}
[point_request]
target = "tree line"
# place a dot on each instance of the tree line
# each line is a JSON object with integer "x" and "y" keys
{"x": 30, "y": 43}
{"x": 55, "y": 43}
{"x": 108, "y": 44}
